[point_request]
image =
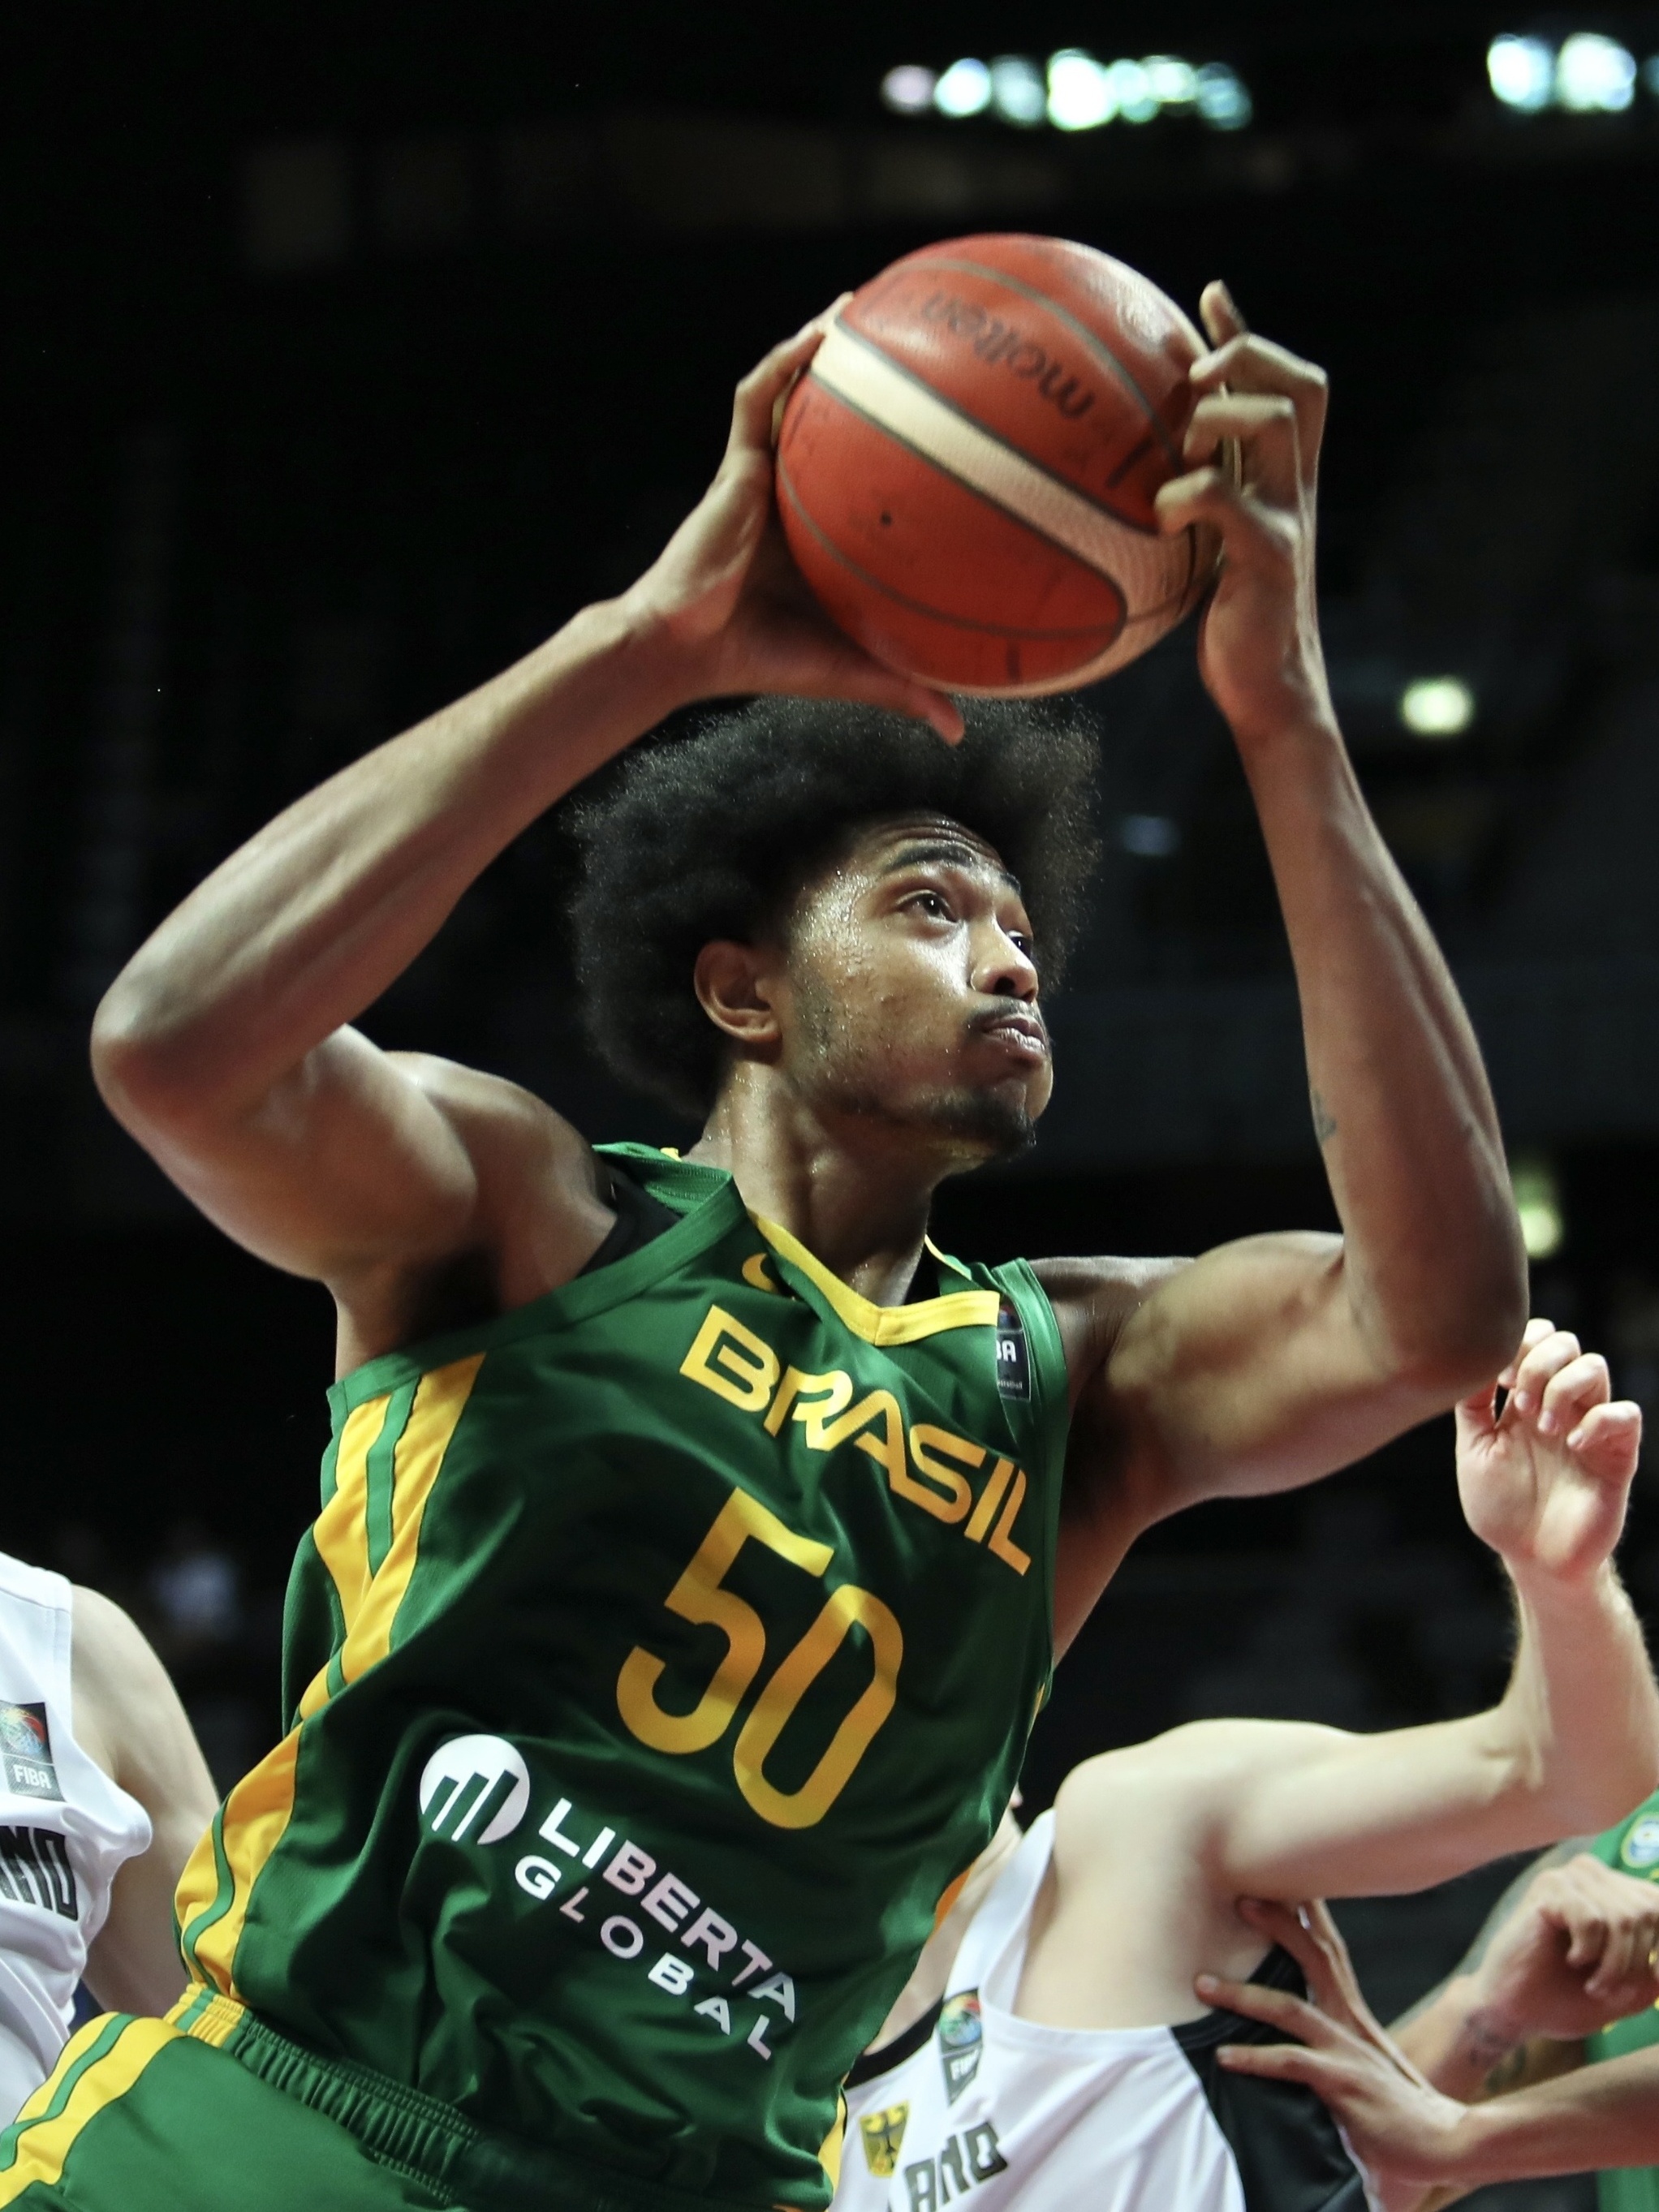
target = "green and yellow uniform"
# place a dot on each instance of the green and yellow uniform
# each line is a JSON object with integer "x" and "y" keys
{"x": 1633, "y": 1848}
{"x": 662, "y": 1652}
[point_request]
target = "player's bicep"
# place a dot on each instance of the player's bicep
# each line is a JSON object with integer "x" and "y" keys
{"x": 348, "y": 1163}
{"x": 1248, "y": 1371}
{"x": 1323, "y": 1812}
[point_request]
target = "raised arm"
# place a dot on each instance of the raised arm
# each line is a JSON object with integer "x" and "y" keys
{"x": 1274, "y": 1360}
{"x": 225, "y": 1046}
{"x": 1573, "y": 1744}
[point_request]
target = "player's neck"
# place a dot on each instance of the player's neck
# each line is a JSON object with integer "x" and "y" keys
{"x": 857, "y": 1196}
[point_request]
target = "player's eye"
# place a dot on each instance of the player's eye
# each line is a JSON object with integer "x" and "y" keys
{"x": 932, "y": 903}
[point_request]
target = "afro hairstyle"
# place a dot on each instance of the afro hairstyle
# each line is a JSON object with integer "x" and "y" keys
{"x": 714, "y": 835}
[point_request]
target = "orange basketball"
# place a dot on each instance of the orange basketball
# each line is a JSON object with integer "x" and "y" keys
{"x": 966, "y": 472}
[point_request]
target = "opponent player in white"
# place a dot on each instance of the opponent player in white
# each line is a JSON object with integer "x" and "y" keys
{"x": 1047, "y": 2051}
{"x": 103, "y": 1793}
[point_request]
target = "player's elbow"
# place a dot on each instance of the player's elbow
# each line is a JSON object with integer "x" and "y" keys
{"x": 1446, "y": 1352}
{"x": 146, "y": 1060}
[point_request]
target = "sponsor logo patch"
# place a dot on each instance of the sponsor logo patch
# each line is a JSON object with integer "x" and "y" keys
{"x": 883, "y": 2134}
{"x": 25, "y": 1752}
{"x": 962, "y": 2040}
{"x": 474, "y": 1788}
{"x": 1013, "y": 1360}
{"x": 1641, "y": 1847}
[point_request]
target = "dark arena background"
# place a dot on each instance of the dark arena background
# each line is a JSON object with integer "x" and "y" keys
{"x": 348, "y": 350}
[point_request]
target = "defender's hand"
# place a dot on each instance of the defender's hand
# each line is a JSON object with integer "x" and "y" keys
{"x": 725, "y": 603}
{"x": 1546, "y": 1483}
{"x": 1578, "y": 1953}
{"x": 1258, "y": 646}
{"x": 1404, "y": 2134}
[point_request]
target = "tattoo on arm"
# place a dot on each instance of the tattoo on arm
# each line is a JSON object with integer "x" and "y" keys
{"x": 1324, "y": 1121}
{"x": 1507, "y": 2073}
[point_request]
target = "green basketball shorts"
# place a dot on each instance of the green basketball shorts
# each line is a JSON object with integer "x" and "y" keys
{"x": 211, "y": 2109}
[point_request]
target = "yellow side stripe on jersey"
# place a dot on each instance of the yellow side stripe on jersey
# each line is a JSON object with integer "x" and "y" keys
{"x": 213, "y": 1902}
{"x": 882, "y": 1325}
{"x": 84, "y": 2080}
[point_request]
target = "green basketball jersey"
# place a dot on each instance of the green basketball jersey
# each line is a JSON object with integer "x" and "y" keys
{"x": 1633, "y": 1848}
{"x": 662, "y": 1652}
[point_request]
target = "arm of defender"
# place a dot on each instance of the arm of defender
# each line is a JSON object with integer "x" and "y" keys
{"x": 1574, "y": 1742}
{"x": 1406, "y": 2132}
{"x": 128, "y": 1717}
{"x": 224, "y": 1045}
{"x": 1569, "y": 1949}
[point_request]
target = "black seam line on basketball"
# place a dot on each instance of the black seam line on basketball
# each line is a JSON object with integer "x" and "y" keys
{"x": 978, "y": 492}
{"x": 1064, "y": 483}
{"x": 1101, "y": 630}
{"x": 1096, "y": 345}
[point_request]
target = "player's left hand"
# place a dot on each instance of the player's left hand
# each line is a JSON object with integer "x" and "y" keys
{"x": 1546, "y": 1481}
{"x": 1258, "y": 648}
{"x": 1404, "y": 2134}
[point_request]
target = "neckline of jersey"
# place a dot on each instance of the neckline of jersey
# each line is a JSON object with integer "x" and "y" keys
{"x": 881, "y": 1325}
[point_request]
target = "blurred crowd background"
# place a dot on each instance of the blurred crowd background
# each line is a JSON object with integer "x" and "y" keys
{"x": 348, "y": 350}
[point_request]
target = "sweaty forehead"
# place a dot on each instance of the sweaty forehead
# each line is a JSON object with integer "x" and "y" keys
{"x": 885, "y": 848}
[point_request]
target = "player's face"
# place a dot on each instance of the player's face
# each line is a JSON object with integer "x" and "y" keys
{"x": 911, "y": 991}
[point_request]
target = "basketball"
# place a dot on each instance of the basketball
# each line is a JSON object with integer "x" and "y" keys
{"x": 966, "y": 472}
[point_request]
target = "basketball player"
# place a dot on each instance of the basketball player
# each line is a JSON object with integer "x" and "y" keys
{"x": 103, "y": 1794}
{"x": 1045, "y": 2052}
{"x": 1539, "y": 2056}
{"x": 695, "y": 1540}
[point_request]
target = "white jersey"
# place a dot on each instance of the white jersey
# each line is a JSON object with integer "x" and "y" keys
{"x": 1019, "y": 2117}
{"x": 64, "y": 1831}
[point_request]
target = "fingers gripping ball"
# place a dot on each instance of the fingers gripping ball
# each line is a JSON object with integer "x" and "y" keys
{"x": 966, "y": 473}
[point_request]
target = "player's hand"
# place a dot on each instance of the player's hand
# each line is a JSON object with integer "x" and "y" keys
{"x": 1258, "y": 647}
{"x": 1577, "y": 1952}
{"x": 1405, "y": 2134}
{"x": 1545, "y": 1483}
{"x": 728, "y": 606}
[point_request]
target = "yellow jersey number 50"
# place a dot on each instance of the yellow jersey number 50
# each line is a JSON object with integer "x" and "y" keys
{"x": 698, "y": 1595}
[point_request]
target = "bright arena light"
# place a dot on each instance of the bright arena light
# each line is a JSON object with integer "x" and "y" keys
{"x": 1538, "y": 1205}
{"x": 1522, "y": 73}
{"x": 1174, "y": 83}
{"x": 908, "y": 89}
{"x": 1222, "y": 99}
{"x": 964, "y": 88}
{"x": 1016, "y": 89}
{"x": 1131, "y": 88}
{"x": 1436, "y": 706}
{"x": 1081, "y": 96}
{"x": 1593, "y": 75}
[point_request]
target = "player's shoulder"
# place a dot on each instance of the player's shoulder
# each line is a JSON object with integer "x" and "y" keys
{"x": 503, "y": 1124}
{"x": 1096, "y": 1296}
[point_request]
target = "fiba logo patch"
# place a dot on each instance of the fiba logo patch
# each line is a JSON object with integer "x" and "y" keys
{"x": 1641, "y": 1847}
{"x": 1013, "y": 1359}
{"x": 962, "y": 2040}
{"x": 25, "y": 1752}
{"x": 474, "y": 1782}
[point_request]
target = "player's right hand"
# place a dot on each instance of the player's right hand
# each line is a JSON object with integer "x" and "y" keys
{"x": 726, "y": 606}
{"x": 1544, "y": 1481}
{"x": 1578, "y": 1953}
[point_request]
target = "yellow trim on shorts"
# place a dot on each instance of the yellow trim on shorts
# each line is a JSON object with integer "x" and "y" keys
{"x": 256, "y": 1813}
{"x": 43, "y": 2144}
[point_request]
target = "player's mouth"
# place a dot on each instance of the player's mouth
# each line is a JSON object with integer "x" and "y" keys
{"x": 1021, "y": 1033}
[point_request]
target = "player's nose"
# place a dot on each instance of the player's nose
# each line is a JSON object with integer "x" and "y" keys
{"x": 1003, "y": 968}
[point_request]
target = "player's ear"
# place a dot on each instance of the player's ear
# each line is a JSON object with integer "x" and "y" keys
{"x": 733, "y": 987}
